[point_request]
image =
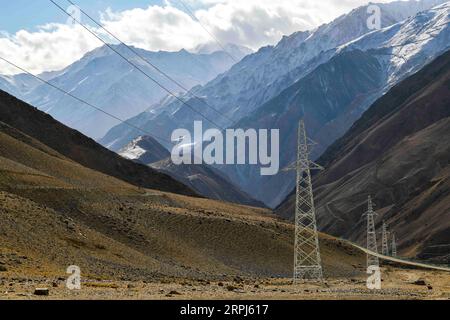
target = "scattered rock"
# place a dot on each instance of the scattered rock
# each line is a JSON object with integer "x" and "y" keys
{"x": 175, "y": 293}
{"x": 3, "y": 268}
{"x": 231, "y": 288}
{"x": 420, "y": 282}
{"x": 430, "y": 287}
{"x": 41, "y": 292}
{"x": 220, "y": 284}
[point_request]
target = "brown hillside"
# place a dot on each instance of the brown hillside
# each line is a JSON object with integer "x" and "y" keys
{"x": 79, "y": 148}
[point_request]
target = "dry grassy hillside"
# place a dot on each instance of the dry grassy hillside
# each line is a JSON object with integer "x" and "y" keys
{"x": 55, "y": 213}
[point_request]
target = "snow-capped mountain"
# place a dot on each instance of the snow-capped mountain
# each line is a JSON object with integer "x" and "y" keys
{"x": 263, "y": 75}
{"x": 105, "y": 80}
{"x": 233, "y": 49}
{"x": 18, "y": 85}
{"x": 145, "y": 149}
{"x": 336, "y": 93}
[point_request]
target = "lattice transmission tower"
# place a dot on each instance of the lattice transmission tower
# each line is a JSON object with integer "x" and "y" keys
{"x": 371, "y": 235}
{"x": 385, "y": 240}
{"x": 394, "y": 246}
{"x": 307, "y": 260}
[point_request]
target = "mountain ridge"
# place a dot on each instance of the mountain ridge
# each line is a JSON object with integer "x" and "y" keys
{"x": 120, "y": 89}
{"x": 398, "y": 152}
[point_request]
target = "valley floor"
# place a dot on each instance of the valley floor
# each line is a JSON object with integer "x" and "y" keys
{"x": 405, "y": 284}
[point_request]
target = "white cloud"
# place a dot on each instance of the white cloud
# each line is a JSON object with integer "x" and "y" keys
{"x": 155, "y": 28}
{"x": 52, "y": 47}
{"x": 251, "y": 23}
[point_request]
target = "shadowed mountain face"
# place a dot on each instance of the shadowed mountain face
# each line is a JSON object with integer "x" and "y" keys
{"x": 329, "y": 99}
{"x": 336, "y": 93}
{"x": 81, "y": 149}
{"x": 399, "y": 152}
{"x": 203, "y": 179}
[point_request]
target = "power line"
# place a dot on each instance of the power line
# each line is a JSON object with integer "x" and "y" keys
{"x": 149, "y": 62}
{"x": 137, "y": 67}
{"x": 191, "y": 13}
{"x": 84, "y": 101}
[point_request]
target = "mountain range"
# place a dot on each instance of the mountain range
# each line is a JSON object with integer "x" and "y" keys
{"x": 120, "y": 89}
{"x": 276, "y": 86}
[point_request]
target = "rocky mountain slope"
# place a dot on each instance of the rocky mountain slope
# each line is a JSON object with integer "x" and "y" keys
{"x": 399, "y": 152}
{"x": 119, "y": 88}
{"x": 77, "y": 147}
{"x": 203, "y": 179}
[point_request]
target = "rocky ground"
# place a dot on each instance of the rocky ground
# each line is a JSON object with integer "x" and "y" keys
{"x": 405, "y": 284}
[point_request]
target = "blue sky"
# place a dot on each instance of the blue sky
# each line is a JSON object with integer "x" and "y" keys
{"x": 27, "y": 14}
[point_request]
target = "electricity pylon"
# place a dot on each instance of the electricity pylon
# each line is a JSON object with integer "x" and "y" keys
{"x": 385, "y": 241}
{"x": 307, "y": 261}
{"x": 394, "y": 246}
{"x": 371, "y": 235}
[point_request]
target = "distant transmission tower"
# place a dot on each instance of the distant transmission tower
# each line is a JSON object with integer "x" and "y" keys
{"x": 394, "y": 246}
{"x": 307, "y": 261}
{"x": 385, "y": 241}
{"x": 371, "y": 235}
